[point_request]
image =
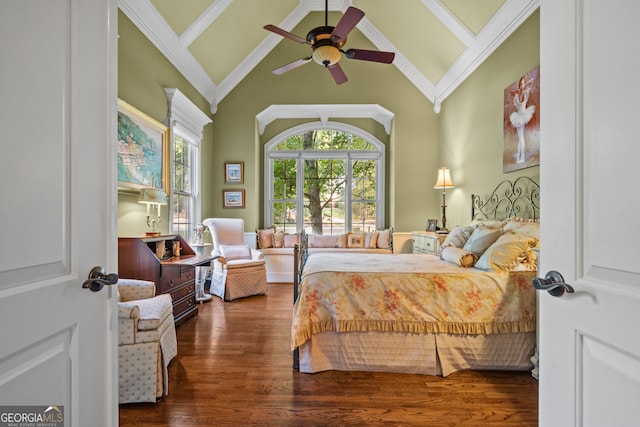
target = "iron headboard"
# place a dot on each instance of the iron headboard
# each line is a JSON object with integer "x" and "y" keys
{"x": 519, "y": 198}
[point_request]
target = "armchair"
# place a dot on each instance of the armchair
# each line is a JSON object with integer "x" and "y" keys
{"x": 237, "y": 271}
{"x": 146, "y": 341}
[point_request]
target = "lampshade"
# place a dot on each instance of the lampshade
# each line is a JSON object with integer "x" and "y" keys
{"x": 444, "y": 179}
{"x": 152, "y": 195}
{"x": 326, "y": 55}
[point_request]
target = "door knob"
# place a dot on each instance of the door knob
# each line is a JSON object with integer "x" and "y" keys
{"x": 553, "y": 283}
{"x": 98, "y": 279}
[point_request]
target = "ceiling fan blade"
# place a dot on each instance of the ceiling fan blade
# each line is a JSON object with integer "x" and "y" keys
{"x": 285, "y": 34}
{"x": 336, "y": 72}
{"x": 348, "y": 21}
{"x": 291, "y": 66}
{"x": 370, "y": 55}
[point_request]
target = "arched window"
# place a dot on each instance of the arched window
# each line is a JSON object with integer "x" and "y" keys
{"x": 325, "y": 178}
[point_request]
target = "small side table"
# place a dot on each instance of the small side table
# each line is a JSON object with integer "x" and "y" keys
{"x": 201, "y": 272}
{"x": 427, "y": 242}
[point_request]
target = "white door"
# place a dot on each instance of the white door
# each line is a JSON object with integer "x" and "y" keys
{"x": 58, "y": 342}
{"x": 590, "y": 340}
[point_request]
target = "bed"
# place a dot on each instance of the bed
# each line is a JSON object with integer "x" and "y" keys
{"x": 416, "y": 313}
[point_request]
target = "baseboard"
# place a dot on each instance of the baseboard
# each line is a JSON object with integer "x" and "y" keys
{"x": 279, "y": 277}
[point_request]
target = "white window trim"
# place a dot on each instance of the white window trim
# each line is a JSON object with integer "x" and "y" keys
{"x": 186, "y": 120}
{"x": 378, "y": 155}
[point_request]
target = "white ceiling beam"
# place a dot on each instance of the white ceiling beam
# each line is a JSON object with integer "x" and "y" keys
{"x": 203, "y": 21}
{"x": 149, "y": 21}
{"x": 508, "y": 18}
{"x": 450, "y": 21}
{"x": 402, "y": 63}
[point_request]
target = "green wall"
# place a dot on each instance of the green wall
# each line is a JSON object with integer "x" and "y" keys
{"x": 143, "y": 73}
{"x": 471, "y": 121}
{"x": 466, "y": 136}
{"x": 412, "y": 147}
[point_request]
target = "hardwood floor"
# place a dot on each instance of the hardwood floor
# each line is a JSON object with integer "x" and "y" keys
{"x": 234, "y": 368}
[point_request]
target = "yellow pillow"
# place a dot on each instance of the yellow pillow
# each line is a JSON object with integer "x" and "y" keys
{"x": 511, "y": 251}
{"x": 458, "y": 256}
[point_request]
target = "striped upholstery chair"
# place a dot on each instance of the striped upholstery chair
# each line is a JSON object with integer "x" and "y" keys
{"x": 237, "y": 271}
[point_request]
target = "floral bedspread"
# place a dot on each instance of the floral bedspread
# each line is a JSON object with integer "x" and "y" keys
{"x": 409, "y": 293}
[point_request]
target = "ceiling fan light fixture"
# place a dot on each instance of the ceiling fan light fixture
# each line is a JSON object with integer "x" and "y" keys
{"x": 326, "y": 55}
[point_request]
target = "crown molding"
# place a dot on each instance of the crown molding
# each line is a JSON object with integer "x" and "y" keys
{"x": 184, "y": 112}
{"x": 324, "y": 112}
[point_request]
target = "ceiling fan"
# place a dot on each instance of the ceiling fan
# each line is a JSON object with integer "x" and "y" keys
{"x": 327, "y": 42}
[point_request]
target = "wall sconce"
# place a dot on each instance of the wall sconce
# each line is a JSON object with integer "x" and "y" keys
{"x": 153, "y": 198}
{"x": 443, "y": 182}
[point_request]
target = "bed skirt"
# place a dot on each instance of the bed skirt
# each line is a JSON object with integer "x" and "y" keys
{"x": 428, "y": 354}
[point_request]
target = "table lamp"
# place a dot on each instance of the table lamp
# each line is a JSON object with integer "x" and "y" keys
{"x": 443, "y": 182}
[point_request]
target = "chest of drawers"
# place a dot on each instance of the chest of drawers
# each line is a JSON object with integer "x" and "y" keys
{"x": 172, "y": 274}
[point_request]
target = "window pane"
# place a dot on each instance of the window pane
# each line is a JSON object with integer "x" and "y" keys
{"x": 284, "y": 179}
{"x": 363, "y": 182}
{"x": 324, "y": 208}
{"x": 183, "y": 197}
{"x": 182, "y": 166}
{"x": 181, "y": 216}
{"x": 324, "y": 186}
{"x": 363, "y": 217}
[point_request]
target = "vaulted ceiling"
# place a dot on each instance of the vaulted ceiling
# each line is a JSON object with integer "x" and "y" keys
{"x": 216, "y": 43}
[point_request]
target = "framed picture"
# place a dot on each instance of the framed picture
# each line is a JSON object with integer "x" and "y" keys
{"x": 432, "y": 224}
{"x": 143, "y": 150}
{"x": 234, "y": 172}
{"x": 521, "y": 123}
{"x": 232, "y": 199}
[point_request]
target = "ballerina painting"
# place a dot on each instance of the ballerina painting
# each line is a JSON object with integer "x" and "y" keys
{"x": 522, "y": 122}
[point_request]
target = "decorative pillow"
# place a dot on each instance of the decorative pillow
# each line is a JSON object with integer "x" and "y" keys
{"x": 458, "y": 237}
{"x": 355, "y": 240}
{"x": 384, "y": 239}
{"x": 523, "y": 226}
{"x": 509, "y": 252}
{"x": 290, "y": 240}
{"x": 235, "y": 252}
{"x": 278, "y": 239}
{"x": 458, "y": 256}
{"x": 371, "y": 240}
{"x": 481, "y": 239}
{"x": 318, "y": 241}
{"x": 265, "y": 238}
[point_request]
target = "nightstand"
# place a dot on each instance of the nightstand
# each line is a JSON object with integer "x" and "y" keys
{"x": 427, "y": 242}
